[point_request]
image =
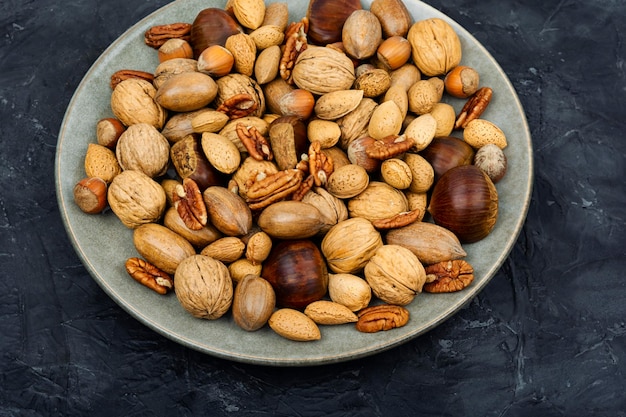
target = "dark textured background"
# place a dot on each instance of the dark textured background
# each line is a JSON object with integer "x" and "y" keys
{"x": 545, "y": 338}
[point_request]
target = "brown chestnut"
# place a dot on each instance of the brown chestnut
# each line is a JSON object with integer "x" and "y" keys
{"x": 465, "y": 201}
{"x": 297, "y": 272}
{"x": 326, "y": 19}
{"x": 212, "y": 26}
{"x": 447, "y": 152}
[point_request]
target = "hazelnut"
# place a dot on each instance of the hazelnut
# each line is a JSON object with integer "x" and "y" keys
{"x": 462, "y": 81}
{"x": 394, "y": 52}
{"x": 90, "y": 194}
{"x": 216, "y": 61}
{"x": 175, "y": 48}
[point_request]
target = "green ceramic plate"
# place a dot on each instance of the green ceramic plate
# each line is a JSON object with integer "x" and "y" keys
{"x": 104, "y": 244}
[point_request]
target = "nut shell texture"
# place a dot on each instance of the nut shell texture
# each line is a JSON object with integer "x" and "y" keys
{"x": 203, "y": 287}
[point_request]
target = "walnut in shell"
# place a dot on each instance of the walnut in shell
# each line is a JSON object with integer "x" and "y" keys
{"x": 136, "y": 199}
{"x": 395, "y": 274}
{"x": 350, "y": 244}
{"x": 143, "y": 148}
{"x": 435, "y": 46}
{"x": 321, "y": 70}
{"x": 378, "y": 201}
{"x": 203, "y": 287}
{"x": 132, "y": 101}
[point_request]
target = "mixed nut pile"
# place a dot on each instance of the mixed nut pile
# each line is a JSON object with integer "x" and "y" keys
{"x": 282, "y": 171}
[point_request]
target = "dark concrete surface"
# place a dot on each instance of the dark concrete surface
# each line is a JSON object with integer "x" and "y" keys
{"x": 546, "y": 337}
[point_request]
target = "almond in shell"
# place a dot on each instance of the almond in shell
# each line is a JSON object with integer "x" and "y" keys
{"x": 329, "y": 313}
{"x": 294, "y": 325}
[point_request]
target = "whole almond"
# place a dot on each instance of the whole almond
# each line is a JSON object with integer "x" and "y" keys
{"x": 329, "y": 312}
{"x": 101, "y": 162}
{"x": 294, "y": 325}
{"x": 227, "y": 249}
{"x": 221, "y": 152}
{"x": 266, "y": 36}
{"x": 336, "y": 104}
{"x": 243, "y": 49}
{"x": 249, "y": 13}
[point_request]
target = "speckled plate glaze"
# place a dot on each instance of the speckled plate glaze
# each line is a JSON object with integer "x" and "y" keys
{"x": 104, "y": 244}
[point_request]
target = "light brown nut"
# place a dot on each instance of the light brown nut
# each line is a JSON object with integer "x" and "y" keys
{"x": 326, "y": 132}
{"x": 249, "y": 13}
{"x": 227, "y": 249}
{"x": 394, "y": 17}
{"x": 203, "y": 287}
{"x": 233, "y": 85}
{"x": 291, "y": 220}
{"x": 354, "y": 124}
{"x": 258, "y": 247}
{"x": 382, "y": 317}
{"x": 253, "y": 303}
{"x": 417, "y": 202}
{"x": 386, "y": 120}
{"x": 167, "y": 69}
{"x": 321, "y": 70}
{"x": 227, "y": 211}
{"x": 149, "y": 275}
{"x": 329, "y": 313}
{"x": 429, "y": 242}
{"x": 294, "y": 325}
{"x": 276, "y": 14}
{"x": 422, "y": 172}
{"x": 133, "y": 101}
{"x": 350, "y": 244}
{"x": 423, "y": 96}
{"x": 243, "y": 267}
{"x": 398, "y": 94}
{"x": 421, "y": 131}
{"x": 436, "y": 48}
{"x": 347, "y": 181}
{"x": 143, "y": 148}
{"x": 350, "y": 290}
{"x": 378, "y": 201}
{"x": 221, "y": 152}
{"x": 405, "y": 76}
{"x": 136, "y": 199}
{"x": 336, "y": 104}
{"x": 481, "y": 132}
{"x": 186, "y": 92}
{"x": 207, "y": 120}
{"x": 445, "y": 116}
{"x": 374, "y": 82}
{"x": 395, "y": 274}
{"x": 267, "y": 36}
{"x": 448, "y": 276}
{"x": 101, "y": 162}
{"x": 266, "y": 65}
{"x": 243, "y": 48}
{"x": 396, "y": 173}
{"x": 161, "y": 247}
{"x": 332, "y": 209}
{"x": 361, "y": 34}
{"x": 215, "y": 61}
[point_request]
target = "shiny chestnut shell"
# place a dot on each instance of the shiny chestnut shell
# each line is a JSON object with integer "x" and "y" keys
{"x": 297, "y": 272}
{"x": 465, "y": 201}
{"x": 212, "y": 26}
{"x": 447, "y": 152}
{"x": 326, "y": 19}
